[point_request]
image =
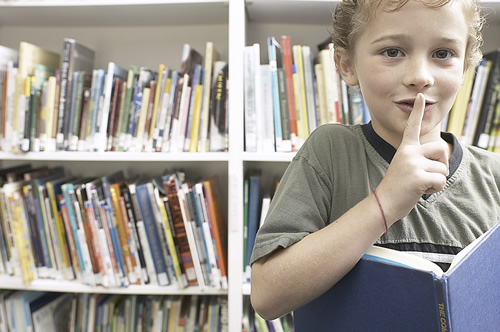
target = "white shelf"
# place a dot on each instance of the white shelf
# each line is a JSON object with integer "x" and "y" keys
{"x": 117, "y": 156}
{"x": 313, "y": 11}
{"x": 66, "y": 286}
{"x": 108, "y": 13}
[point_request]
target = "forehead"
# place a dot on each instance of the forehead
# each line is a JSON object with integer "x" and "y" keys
{"x": 417, "y": 19}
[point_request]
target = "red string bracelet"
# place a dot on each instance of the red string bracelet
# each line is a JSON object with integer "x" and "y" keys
{"x": 381, "y": 209}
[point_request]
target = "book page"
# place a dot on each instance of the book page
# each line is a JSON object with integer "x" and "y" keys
{"x": 402, "y": 258}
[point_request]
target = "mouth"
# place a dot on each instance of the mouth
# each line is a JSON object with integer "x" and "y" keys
{"x": 407, "y": 104}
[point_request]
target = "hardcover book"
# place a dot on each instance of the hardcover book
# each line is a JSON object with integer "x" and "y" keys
{"x": 400, "y": 292}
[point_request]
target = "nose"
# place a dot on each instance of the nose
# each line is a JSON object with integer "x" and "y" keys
{"x": 419, "y": 74}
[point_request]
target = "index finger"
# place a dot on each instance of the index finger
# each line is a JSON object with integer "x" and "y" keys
{"x": 411, "y": 134}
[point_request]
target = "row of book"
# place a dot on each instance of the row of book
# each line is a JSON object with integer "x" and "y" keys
{"x": 51, "y": 102}
{"x": 294, "y": 92}
{"x": 253, "y": 322}
{"x": 475, "y": 116}
{"x": 46, "y": 311}
{"x": 113, "y": 230}
{"x": 256, "y": 200}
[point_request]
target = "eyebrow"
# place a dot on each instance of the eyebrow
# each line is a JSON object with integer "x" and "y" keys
{"x": 401, "y": 36}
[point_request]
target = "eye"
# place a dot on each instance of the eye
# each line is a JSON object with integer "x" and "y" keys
{"x": 392, "y": 52}
{"x": 443, "y": 54}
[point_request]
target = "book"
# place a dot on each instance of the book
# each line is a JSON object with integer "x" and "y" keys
{"x": 30, "y": 55}
{"x": 265, "y": 116}
{"x": 217, "y": 126}
{"x": 109, "y": 214}
{"x": 456, "y": 118}
{"x": 481, "y": 134}
{"x": 145, "y": 204}
{"x": 218, "y": 225}
{"x": 120, "y": 222}
{"x": 391, "y": 290}
{"x": 287, "y": 59}
{"x": 254, "y": 202}
{"x": 168, "y": 228}
{"x": 172, "y": 185}
{"x": 211, "y": 56}
{"x": 75, "y": 57}
{"x": 53, "y": 188}
{"x": 102, "y": 120}
{"x": 142, "y": 246}
{"x": 251, "y": 62}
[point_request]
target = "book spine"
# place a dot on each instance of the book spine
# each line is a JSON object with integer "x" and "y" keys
{"x": 143, "y": 238}
{"x": 122, "y": 233}
{"x": 63, "y": 92}
{"x": 41, "y": 253}
{"x": 113, "y": 245}
{"x": 132, "y": 242}
{"x": 103, "y": 276}
{"x": 180, "y": 231}
{"x": 152, "y": 233}
{"x": 131, "y": 215}
{"x": 174, "y": 253}
{"x": 71, "y": 241}
{"x": 442, "y": 304}
{"x": 286, "y": 52}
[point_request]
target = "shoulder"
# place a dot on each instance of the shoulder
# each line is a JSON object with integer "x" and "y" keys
{"x": 333, "y": 136}
{"x": 484, "y": 158}
{"x": 483, "y": 163}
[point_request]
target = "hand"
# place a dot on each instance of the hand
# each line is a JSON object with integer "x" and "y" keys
{"x": 416, "y": 168}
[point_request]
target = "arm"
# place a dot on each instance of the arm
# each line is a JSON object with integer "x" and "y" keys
{"x": 289, "y": 278}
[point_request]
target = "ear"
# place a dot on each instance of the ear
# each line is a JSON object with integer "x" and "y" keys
{"x": 345, "y": 66}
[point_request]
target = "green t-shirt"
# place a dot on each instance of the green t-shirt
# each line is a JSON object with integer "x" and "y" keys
{"x": 338, "y": 166}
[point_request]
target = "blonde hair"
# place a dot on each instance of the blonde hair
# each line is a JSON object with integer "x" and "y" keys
{"x": 350, "y": 17}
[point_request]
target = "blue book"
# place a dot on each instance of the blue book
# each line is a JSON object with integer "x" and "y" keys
{"x": 386, "y": 293}
{"x": 253, "y": 213}
{"x": 152, "y": 233}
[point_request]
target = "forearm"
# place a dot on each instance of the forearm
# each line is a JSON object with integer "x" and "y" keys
{"x": 291, "y": 277}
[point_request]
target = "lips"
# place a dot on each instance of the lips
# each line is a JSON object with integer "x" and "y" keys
{"x": 407, "y": 104}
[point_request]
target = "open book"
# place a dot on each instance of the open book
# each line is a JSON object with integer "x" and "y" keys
{"x": 395, "y": 291}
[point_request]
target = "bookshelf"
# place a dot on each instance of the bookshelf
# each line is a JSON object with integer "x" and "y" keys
{"x": 151, "y": 32}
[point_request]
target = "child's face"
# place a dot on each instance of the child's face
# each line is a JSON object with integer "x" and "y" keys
{"x": 403, "y": 52}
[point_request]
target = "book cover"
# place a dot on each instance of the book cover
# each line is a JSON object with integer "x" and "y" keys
{"x": 152, "y": 232}
{"x": 218, "y": 224}
{"x": 53, "y": 188}
{"x": 218, "y": 110}
{"x": 254, "y": 201}
{"x": 102, "y": 121}
{"x": 172, "y": 185}
{"x": 194, "y": 235}
{"x": 75, "y": 57}
{"x": 309, "y": 84}
{"x": 167, "y": 223}
{"x": 196, "y": 82}
{"x": 133, "y": 216}
{"x": 265, "y": 121}
{"x": 298, "y": 61}
{"x": 121, "y": 224}
{"x": 74, "y": 216}
{"x": 287, "y": 59}
{"x": 109, "y": 213}
{"x": 388, "y": 293}
{"x": 251, "y": 62}
{"x": 206, "y": 232}
{"x": 211, "y": 56}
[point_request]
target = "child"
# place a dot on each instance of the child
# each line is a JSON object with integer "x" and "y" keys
{"x": 398, "y": 181}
